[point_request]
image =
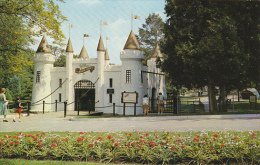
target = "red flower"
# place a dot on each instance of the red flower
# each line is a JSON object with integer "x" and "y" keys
{"x": 204, "y": 143}
{"x": 211, "y": 148}
{"x": 235, "y": 137}
{"x": 86, "y": 139}
{"x": 99, "y": 138}
{"x": 116, "y": 144}
{"x": 146, "y": 134}
{"x": 249, "y": 144}
{"x": 214, "y": 139}
{"x": 1, "y": 146}
{"x": 172, "y": 148}
{"x": 37, "y": 134}
{"x": 141, "y": 136}
{"x": 216, "y": 135}
{"x": 91, "y": 145}
{"x": 53, "y": 140}
{"x": 126, "y": 133}
{"x": 182, "y": 146}
{"x": 178, "y": 140}
{"x": 152, "y": 144}
{"x": 140, "y": 146}
{"x": 198, "y": 135}
{"x": 35, "y": 139}
{"x": 130, "y": 134}
{"x": 113, "y": 140}
{"x": 167, "y": 141}
{"x": 204, "y": 148}
{"x": 128, "y": 144}
{"x": 223, "y": 145}
{"x": 14, "y": 137}
{"x": 39, "y": 144}
{"x": 109, "y": 136}
{"x": 79, "y": 139}
{"x": 253, "y": 134}
{"x": 17, "y": 142}
{"x": 11, "y": 143}
{"x": 157, "y": 136}
{"x": 25, "y": 135}
{"x": 1, "y": 142}
{"x": 134, "y": 143}
{"x": 168, "y": 132}
{"x": 53, "y": 145}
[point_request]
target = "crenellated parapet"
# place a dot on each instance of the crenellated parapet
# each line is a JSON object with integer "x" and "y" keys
{"x": 129, "y": 54}
{"x": 44, "y": 58}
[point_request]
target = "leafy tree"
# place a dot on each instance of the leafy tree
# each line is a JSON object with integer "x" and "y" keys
{"x": 204, "y": 46}
{"x": 150, "y": 33}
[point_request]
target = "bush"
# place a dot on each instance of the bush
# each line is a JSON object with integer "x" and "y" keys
{"x": 134, "y": 147}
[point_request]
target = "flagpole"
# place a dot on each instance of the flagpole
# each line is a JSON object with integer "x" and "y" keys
{"x": 69, "y": 30}
{"x": 83, "y": 39}
{"x": 100, "y": 28}
{"x": 132, "y": 22}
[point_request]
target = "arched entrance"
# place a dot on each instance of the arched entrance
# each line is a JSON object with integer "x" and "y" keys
{"x": 84, "y": 95}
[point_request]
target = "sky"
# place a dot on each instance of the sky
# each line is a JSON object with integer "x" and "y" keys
{"x": 85, "y": 16}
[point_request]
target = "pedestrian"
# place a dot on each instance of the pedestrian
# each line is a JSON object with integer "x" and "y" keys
{"x": 160, "y": 103}
{"x": 18, "y": 109}
{"x": 3, "y": 104}
{"x": 145, "y": 104}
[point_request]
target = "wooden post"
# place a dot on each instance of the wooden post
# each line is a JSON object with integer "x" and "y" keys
{"x": 43, "y": 103}
{"x": 56, "y": 105}
{"x": 28, "y": 108}
{"x": 135, "y": 109}
{"x": 65, "y": 108}
{"x": 77, "y": 102}
{"x": 114, "y": 109}
{"x": 124, "y": 110}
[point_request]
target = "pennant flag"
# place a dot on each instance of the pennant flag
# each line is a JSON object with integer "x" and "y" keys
{"x": 135, "y": 16}
{"x": 107, "y": 38}
{"x": 71, "y": 25}
{"x": 86, "y": 35}
{"x": 103, "y": 23}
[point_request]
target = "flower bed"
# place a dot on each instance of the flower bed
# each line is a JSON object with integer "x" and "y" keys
{"x": 135, "y": 147}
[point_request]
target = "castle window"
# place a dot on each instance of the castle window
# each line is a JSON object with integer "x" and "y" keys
{"x": 60, "y": 83}
{"x": 110, "y": 82}
{"x": 128, "y": 76}
{"x": 38, "y": 75}
{"x": 59, "y": 97}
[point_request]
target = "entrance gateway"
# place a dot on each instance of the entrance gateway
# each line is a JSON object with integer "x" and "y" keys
{"x": 84, "y": 95}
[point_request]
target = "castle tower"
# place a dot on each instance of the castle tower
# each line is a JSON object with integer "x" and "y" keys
{"x": 43, "y": 63}
{"x": 156, "y": 81}
{"x": 131, "y": 59}
{"x": 100, "y": 68}
{"x": 69, "y": 75}
{"x": 106, "y": 58}
{"x": 83, "y": 53}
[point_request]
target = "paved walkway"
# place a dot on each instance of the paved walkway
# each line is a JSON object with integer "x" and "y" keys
{"x": 55, "y": 121}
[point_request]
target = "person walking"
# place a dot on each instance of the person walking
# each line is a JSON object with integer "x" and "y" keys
{"x": 160, "y": 103}
{"x": 18, "y": 109}
{"x": 3, "y": 104}
{"x": 145, "y": 105}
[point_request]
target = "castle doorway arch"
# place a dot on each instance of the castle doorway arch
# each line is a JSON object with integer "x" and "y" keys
{"x": 84, "y": 95}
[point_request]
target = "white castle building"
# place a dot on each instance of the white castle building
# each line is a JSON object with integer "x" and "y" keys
{"x": 92, "y": 83}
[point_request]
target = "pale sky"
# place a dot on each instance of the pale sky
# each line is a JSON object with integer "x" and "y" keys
{"x": 85, "y": 16}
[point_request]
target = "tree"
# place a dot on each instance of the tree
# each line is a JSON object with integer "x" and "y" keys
{"x": 204, "y": 46}
{"x": 150, "y": 33}
{"x": 19, "y": 22}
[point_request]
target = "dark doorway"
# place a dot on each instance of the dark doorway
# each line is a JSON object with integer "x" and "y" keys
{"x": 84, "y": 96}
{"x": 154, "y": 101}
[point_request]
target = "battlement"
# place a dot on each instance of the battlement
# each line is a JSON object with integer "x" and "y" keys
{"x": 44, "y": 57}
{"x": 131, "y": 54}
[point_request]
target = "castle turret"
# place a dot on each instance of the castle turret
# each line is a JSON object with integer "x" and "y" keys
{"x": 83, "y": 53}
{"x": 106, "y": 58}
{"x": 43, "y": 63}
{"x": 69, "y": 75}
{"x": 131, "y": 59}
{"x": 101, "y": 64}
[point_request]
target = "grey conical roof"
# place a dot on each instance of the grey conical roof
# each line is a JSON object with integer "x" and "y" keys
{"x": 83, "y": 53}
{"x": 132, "y": 42}
{"x": 69, "y": 47}
{"x": 101, "y": 46}
{"x": 44, "y": 46}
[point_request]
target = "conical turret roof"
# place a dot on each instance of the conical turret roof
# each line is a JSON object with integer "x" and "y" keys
{"x": 83, "y": 53}
{"x": 132, "y": 42}
{"x": 69, "y": 47}
{"x": 100, "y": 45}
{"x": 157, "y": 51}
{"x": 44, "y": 46}
{"x": 106, "y": 55}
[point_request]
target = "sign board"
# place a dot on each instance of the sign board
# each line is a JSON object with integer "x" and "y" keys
{"x": 252, "y": 99}
{"x": 129, "y": 97}
{"x": 110, "y": 91}
{"x": 87, "y": 68}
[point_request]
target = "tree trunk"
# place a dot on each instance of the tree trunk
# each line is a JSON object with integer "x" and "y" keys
{"x": 222, "y": 99}
{"x": 212, "y": 97}
{"x": 238, "y": 95}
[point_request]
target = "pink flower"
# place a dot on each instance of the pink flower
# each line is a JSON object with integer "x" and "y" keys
{"x": 140, "y": 146}
{"x": 172, "y": 148}
{"x": 204, "y": 143}
{"x": 211, "y": 148}
{"x": 178, "y": 140}
{"x": 126, "y": 133}
{"x": 157, "y": 136}
{"x": 146, "y": 134}
{"x": 141, "y": 136}
{"x": 113, "y": 140}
